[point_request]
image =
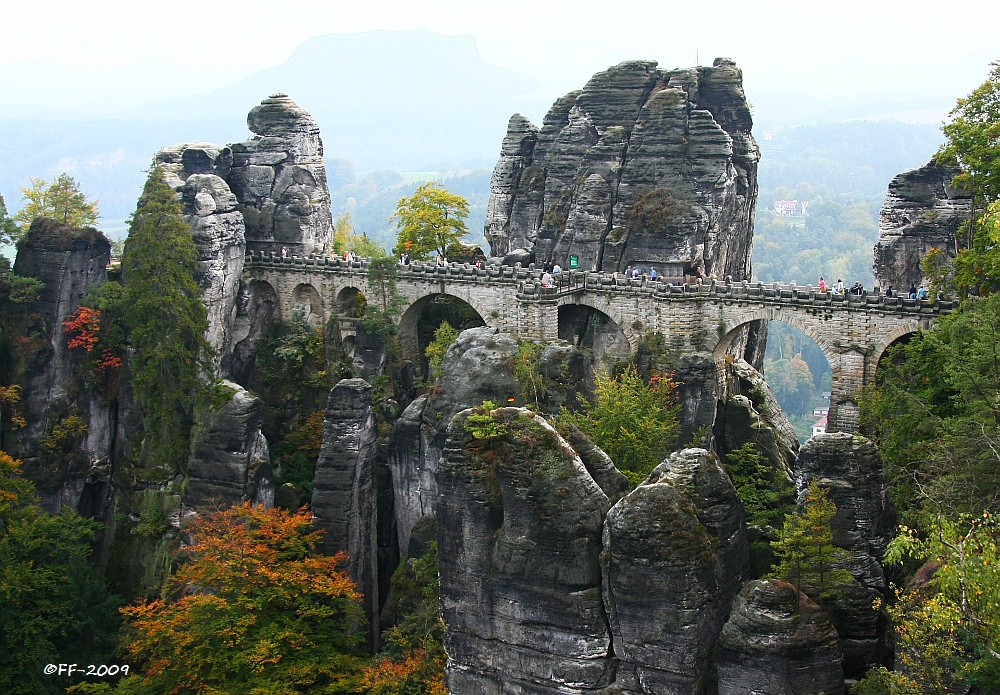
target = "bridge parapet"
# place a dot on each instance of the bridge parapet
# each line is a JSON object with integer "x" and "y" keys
{"x": 528, "y": 282}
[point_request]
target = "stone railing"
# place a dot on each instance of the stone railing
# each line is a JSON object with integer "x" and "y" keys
{"x": 528, "y": 282}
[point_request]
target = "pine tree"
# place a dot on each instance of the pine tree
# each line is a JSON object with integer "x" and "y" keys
{"x": 61, "y": 199}
{"x": 166, "y": 320}
{"x": 805, "y": 551}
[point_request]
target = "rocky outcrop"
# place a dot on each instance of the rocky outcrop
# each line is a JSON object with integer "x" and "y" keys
{"x": 230, "y": 462}
{"x": 474, "y": 370}
{"x": 71, "y": 470}
{"x": 778, "y": 642}
{"x": 197, "y": 173}
{"x": 519, "y": 535}
{"x": 267, "y": 193}
{"x": 279, "y": 177}
{"x": 850, "y": 468}
{"x": 751, "y": 413}
{"x": 674, "y": 552}
{"x": 344, "y": 492}
{"x": 922, "y": 211}
{"x": 643, "y": 166}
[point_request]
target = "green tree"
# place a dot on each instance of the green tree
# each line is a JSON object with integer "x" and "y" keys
{"x": 61, "y": 199}
{"x": 344, "y": 239}
{"x": 935, "y": 414}
{"x": 444, "y": 336}
{"x": 166, "y": 319}
{"x": 948, "y": 627}
{"x": 973, "y": 135}
{"x": 805, "y": 552}
{"x": 973, "y": 142}
{"x": 252, "y": 609}
{"x": 53, "y": 607}
{"x": 634, "y": 422}
{"x": 9, "y": 232}
{"x": 412, "y": 661}
{"x": 431, "y": 220}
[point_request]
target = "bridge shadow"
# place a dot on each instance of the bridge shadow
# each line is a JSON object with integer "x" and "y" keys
{"x": 592, "y": 330}
{"x": 422, "y": 319}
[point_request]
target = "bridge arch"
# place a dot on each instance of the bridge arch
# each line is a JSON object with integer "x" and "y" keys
{"x": 350, "y": 302}
{"x": 307, "y": 302}
{"x": 736, "y": 327}
{"x": 585, "y": 326}
{"x": 414, "y": 337}
{"x": 888, "y": 340}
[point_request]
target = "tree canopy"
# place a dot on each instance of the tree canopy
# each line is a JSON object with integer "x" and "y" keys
{"x": 61, "y": 199}
{"x": 53, "y": 607}
{"x": 634, "y": 421}
{"x": 166, "y": 319}
{"x": 252, "y": 609}
{"x": 430, "y": 221}
{"x": 8, "y": 225}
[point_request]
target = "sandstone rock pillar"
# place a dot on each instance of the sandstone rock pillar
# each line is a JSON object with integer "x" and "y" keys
{"x": 344, "y": 493}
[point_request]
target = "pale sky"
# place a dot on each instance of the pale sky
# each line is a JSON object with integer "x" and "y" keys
{"x": 833, "y": 48}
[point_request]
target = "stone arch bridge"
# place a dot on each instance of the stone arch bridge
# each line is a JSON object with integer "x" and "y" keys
{"x": 852, "y": 331}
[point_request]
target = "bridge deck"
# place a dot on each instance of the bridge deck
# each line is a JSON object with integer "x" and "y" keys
{"x": 528, "y": 284}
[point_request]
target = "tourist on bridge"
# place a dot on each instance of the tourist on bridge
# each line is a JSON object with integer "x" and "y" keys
{"x": 889, "y": 293}
{"x": 822, "y": 285}
{"x": 840, "y": 286}
{"x": 913, "y": 291}
{"x": 546, "y": 279}
{"x": 922, "y": 292}
{"x": 652, "y": 274}
{"x": 556, "y": 269}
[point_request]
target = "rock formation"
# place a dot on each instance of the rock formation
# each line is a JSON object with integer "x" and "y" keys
{"x": 519, "y": 535}
{"x": 751, "y": 413}
{"x": 850, "y": 468}
{"x": 70, "y": 262}
{"x": 217, "y": 229}
{"x": 642, "y": 166}
{"x": 229, "y": 462}
{"x": 267, "y": 193}
{"x": 674, "y": 553}
{"x": 344, "y": 492}
{"x": 279, "y": 177}
{"x": 778, "y": 642}
{"x": 922, "y": 211}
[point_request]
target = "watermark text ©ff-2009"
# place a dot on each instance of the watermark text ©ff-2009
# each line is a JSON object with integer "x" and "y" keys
{"x": 86, "y": 670}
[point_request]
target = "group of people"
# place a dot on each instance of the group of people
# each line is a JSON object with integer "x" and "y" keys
{"x": 858, "y": 289}
{"x": 635, "y": 273}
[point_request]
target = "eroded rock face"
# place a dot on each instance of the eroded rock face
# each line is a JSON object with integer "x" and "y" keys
{"x": 279, "y": 178}
{"x": 475, "y": 369}
{"x": 519, "y": 535}
{"x": 70, "y": 262}
{"x": 230, "y": 462}
{"x": 752, "y": 414}
{"x": 922, "y": 211}
{"x": 850, "y": 467}
{"x": 344, "y": 500}
{"x": 196, "y": 173}
{"x": 643, "y": 166}
{"x": 778, "y": 642}
{"x": 674, "y": 552}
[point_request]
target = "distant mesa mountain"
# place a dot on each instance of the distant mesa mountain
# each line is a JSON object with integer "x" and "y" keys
{"x": 404, "y": 100}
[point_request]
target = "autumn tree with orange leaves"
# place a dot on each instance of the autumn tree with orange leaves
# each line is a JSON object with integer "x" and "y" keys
{"x": 251, "y": 609}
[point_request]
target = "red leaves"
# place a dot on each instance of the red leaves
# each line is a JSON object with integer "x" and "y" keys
{"x": 85, "y": 323}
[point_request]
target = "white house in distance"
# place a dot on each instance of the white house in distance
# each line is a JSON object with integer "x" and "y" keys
{"x": 819, "y": 427}
{"x": 791, "y": 208}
